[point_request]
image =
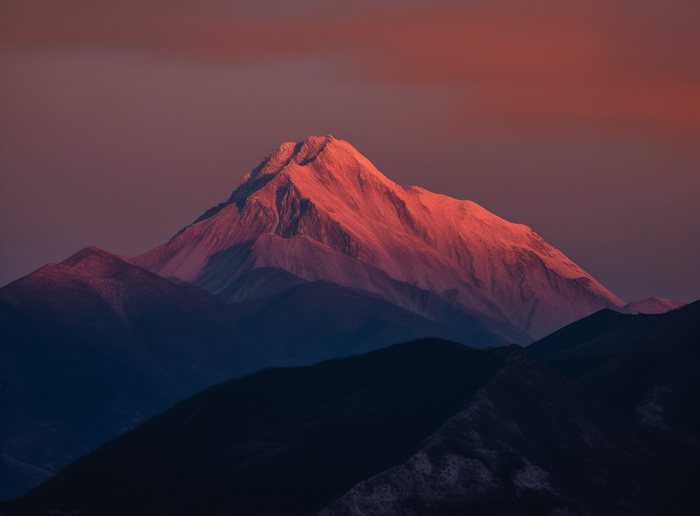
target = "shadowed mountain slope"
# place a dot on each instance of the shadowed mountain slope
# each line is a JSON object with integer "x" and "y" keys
{"x": 94, "y": 345}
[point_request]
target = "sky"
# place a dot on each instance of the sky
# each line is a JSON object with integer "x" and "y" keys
{"x": 121, "y": 122}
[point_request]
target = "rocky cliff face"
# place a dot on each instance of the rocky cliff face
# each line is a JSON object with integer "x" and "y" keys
{"x": 321, "y": 210}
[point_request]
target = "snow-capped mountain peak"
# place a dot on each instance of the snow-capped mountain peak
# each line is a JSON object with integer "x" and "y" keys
{"x": 321, "y": 210}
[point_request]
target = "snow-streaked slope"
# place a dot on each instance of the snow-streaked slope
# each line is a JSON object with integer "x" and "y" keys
{"x": 322, "y": 211}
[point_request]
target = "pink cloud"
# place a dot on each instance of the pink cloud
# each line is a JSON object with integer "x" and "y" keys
{"x": 543, "y": 64}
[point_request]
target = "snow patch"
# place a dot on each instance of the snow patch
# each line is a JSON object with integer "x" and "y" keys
{"x": 532, "y": 477}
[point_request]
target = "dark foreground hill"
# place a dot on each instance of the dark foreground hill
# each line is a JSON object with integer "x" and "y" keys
{"x": 647, "y": 369}
{"x": 428, "y": 427}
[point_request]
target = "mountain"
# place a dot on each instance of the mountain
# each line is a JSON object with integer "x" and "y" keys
{"x": 606, "y": 340}
{"x": 646, "y": 368}
{"x": 525, "y": 443}
{"x": 94, "y": 345}
{"x": 436, "y": 422}
{"x": 639, "y": 376}
{"x": 315, "y": 255}
{"x": 320, "y": 210}
{"x": 652, "y": 305}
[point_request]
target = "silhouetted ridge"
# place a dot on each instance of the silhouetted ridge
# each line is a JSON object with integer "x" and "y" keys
{"x": 578, "y": 332}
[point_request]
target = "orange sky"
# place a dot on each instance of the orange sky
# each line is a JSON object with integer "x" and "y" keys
{"x": 580, "y": 119}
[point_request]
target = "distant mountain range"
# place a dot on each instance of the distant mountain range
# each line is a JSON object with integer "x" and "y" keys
{"x": 316, "y": 255}
{"x": 428, "y": 427}
{"x": 653, "y": 305}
